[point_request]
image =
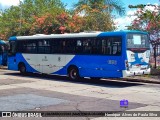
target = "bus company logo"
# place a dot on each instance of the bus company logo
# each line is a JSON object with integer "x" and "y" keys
{"x": 124, "y": 103}
{"x": 45, "y": 59}
{"x": 59, "y": 59}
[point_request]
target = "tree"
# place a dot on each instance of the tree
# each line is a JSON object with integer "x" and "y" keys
{"x": 147, "y": 19}
{"x": 97, "y": 13}
{"x": 30, "y": 17}
{"x": 50, "y": 16}
{"x": 101, "y": 5}
{"x": 39, "y": 17}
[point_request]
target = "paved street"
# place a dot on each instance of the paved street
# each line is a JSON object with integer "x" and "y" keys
{"x": 35, "y": 92}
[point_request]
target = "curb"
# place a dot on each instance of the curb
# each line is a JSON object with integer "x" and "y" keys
{"x": 140, "y": 80}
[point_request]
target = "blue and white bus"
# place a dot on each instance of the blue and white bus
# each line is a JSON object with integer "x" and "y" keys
{"x": 76, "y": 55}
{"x": 3, "y": 52}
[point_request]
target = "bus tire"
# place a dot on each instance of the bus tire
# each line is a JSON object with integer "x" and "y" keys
{"x": 73, "y": 73}
{"x": 22, "y": 68}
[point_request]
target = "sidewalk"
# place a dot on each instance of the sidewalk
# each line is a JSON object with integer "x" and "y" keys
{"x": 155, "y": 79}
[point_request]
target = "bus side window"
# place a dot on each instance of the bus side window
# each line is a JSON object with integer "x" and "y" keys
{"x": 111, "y": 46}
{"x": 106, "y": 46}
{"x": 1, "y": 49}
{"x": 55, "y": 46}
{"x": 79, "y": 43}
{"x": 87, "y": 46}
{"x": 31, "y": 47}
{"x": 44, "y": 46}
{"x": 103, "y": 46}
{"x": 62, "y": 46}
{"x": 70, "y": 46}
{"x": 47, "y": 46}
{"x": 115, "y": 49}
{"x": 116, "y": 46}
{"x": 21, "y": 46}
{"x": 96, "y": 46}
{"x": 119, "y": 50}
{"x": 79, "y": 46}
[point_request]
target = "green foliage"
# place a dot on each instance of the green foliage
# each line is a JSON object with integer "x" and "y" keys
{"x": 50, "y": 16}
{"x": 147, "y": 20}
{"x": 101, "y": 5}
{"x": 97, "y": 13}
{"x": 99, "y": 22}
{"x": 22, "y": 19}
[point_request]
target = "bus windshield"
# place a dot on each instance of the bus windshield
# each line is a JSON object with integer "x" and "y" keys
{"x": 137, "y": 40}
{"x": 3, "y": 48}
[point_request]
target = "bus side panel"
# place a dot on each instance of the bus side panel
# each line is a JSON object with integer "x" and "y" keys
{"x": 28, "y": 66}
{"x": 96, "y": 66}
{"x": 12, "y": 64}
{"x": 4, "y": 58}
{"x": 88, "y": 65}
{"x": 47, "y": 63}
{"x": 100, "y": 73}
{"x": 1, "y": 60}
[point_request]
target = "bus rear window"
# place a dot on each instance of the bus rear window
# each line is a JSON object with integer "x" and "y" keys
{"x": 137, "y": 41}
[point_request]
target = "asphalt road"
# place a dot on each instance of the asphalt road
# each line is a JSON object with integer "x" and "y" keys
{"x": 37, "y": 92}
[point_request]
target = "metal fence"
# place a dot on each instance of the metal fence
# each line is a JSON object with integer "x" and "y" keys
{"x": 155, "y": 56}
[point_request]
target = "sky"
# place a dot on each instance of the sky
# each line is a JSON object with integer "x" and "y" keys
{"x": 121, "y": 21}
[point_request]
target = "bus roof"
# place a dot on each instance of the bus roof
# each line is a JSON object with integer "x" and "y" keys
{"x": 2, "y": 42}
{"x": 73, "y": 35}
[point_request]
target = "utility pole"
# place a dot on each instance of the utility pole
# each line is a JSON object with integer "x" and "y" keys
{"x": 155, "y": 56}
{"x": 20, "y": 14}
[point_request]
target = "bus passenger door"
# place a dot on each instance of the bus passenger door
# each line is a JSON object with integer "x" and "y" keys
{"x": 12, "y": 62}
{"x": 12, "y": 56}
{"x": 1, "y": 58}
{"x": 1, "y": 55}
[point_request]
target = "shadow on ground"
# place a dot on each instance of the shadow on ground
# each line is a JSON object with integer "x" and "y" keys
{"x": 104, "y": 82}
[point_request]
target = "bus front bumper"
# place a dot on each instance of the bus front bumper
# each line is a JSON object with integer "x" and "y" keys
{"x": 127, "y": 73}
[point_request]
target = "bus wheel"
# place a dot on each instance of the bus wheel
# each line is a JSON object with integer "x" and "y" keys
{"x": 22, "y": 68}
{"x": 73, "y": 73}
{"x": 95, "y": 78}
